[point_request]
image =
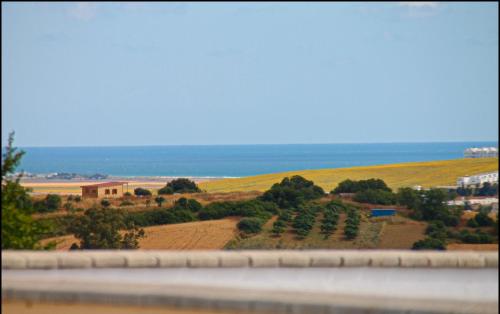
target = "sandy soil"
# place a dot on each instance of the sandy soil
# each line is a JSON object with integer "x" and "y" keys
{"x": 25, "y": 307}
{"x": 198, "y": 235}
{"x": 472, "y": 247}
{"x": 401, "y": 235}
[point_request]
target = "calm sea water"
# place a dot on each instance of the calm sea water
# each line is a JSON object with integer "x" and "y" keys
{"x": 231, "y": 160}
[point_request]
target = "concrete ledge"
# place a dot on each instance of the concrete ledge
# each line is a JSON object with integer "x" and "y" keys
{"x": 276, "y": 258}
{"x": 241, "y": 300}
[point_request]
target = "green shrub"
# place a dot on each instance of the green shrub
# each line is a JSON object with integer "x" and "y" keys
{"x": 142, "y": 192}
{"x": 250, "y": 225}
{"x": 181, "y": 185}
{"x": 381, "y": 197}
{"x": 127, "y": 203}
{"x": 429, "y": 244}
{"x": 350, "y": 186}
{"x": 105, "y": 203}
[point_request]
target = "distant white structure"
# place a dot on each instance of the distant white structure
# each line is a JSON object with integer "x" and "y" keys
{"x": 491, "y": 177}
{"x": 481, "y": 152}
{"x": 488, "y": 201}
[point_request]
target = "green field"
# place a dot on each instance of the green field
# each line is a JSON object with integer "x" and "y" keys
{"x": 426, "y": 174}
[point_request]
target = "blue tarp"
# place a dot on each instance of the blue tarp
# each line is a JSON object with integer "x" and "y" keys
{"x": 377, "y": 212}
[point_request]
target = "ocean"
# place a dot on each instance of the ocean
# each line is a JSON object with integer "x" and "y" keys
{"x": 230, "y": 160}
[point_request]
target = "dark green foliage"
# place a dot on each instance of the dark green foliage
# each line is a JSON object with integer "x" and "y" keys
{"x": 487, "y": 189}
{"x": 429, "y": 244}
{"x": 19, "y": 230}
{"x": 291, "y": 192}
{"x": 408, "y": 197}
{"x": 330, "y": 218}
{"x": 127, "y": 194}
{"x": 73, "y": 247}
{"x": 142, "y": 192}
{"x": 381, "y": 197}
{"x": 78, "y": 198}
{"x": 250, "y": 225}
{"x": 305, "y": 219}
{"x": 53, "y": 202}
{"x": 352, "y": 223}
{"x": 472, "y": 223}
{"x": 70, "y": 198}
{"x": 160, "y": 217}
{"x": 181, "y": 185}
{"x": 250, "y": 208}
{"x": 279, "y": 227}
{"x": 483, "y": 220}
{"x": 159, "y": 200}
{"x": 187, "y": 204}
{"x": 99, "y": 228}
{"x": 105, "y": 203}
{"x": 478, "y": 237}
{"x": 437, "y": 229}
{"x": 432, "y": 206}
{"x": 350, "y": 186}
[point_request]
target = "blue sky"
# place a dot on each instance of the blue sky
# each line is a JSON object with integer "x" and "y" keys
{"x": 82, "y": 74}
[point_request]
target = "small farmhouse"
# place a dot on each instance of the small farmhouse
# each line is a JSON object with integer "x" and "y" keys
{"x": 107, "y": 189}
{"x": 382, "y": 212}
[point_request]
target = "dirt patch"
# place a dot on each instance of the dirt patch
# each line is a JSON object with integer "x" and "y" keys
{"x": 471, "y": 247}
{"x": 401, "y": 234}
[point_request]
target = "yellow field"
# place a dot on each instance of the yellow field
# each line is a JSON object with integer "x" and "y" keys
{"x": 198, "y": 235}
{"x": 426, "y": 174}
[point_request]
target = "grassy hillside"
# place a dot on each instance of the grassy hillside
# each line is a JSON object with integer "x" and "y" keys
{"x": 426, "y": 174}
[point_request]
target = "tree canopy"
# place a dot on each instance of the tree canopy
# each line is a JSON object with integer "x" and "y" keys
{"x": 180, "y": 185}
{"x": 291, "y": 192}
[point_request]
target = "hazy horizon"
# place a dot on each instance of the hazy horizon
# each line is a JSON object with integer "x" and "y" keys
{"x": 155, "y": 74}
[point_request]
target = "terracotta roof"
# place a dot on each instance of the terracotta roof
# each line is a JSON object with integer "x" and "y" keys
{"x": 104, "y": 184}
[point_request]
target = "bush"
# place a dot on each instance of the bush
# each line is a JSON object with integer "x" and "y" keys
{"x": 352, "y": 223}
{"x": 99, "y": 228}
{"x": 53, "y": 202}
{"x": 291, "y": 192}
{"x": 68, "y": 206}
{"x": 250, "y": 208}
{"x": 159, "y": 200}
{"x": 127, "y": 194}
{"x": 78, "y": 198}
{"x": 381, "y": 197}
{"x": 142, "y": 192}
{"x": 250, "y": 225}
{"x": 187, "y": 204}
{"x": 350, "y": 186}
{"x": 429, "y": 244}
{"x": 472, "y": 223}
{"x": 181, "y": 185}
{"x": 483, "y": 220}
{"x": 278, "y": 227}
{"x": 105, "y": 203}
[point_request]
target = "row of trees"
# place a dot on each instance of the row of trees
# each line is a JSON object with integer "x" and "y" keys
{"x": 487, "y": 189}
{"x": 352, "y": 222}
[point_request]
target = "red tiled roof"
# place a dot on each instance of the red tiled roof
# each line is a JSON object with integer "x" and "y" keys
{"x": 104, "y": 184}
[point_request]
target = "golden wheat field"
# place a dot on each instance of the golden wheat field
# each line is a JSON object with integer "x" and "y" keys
{"x": 426, "y": 174}
{"x": 198, "y": 235}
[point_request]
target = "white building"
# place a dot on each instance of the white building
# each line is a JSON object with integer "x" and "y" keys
{"x": 480, "y": 152}
{"x": 491, "y": 177}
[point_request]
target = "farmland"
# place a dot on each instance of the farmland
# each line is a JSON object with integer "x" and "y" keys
{"x": 426, "y": 174}
{"x": 200, "y": 235}
{"x": 374, "y": 233}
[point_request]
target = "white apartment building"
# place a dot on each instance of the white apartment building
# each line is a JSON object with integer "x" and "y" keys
{"x": 481, "y": 152}
{"x": 491, "y": 177}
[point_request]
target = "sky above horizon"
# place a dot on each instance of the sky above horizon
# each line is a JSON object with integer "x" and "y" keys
{"x": 97, "y": 74}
